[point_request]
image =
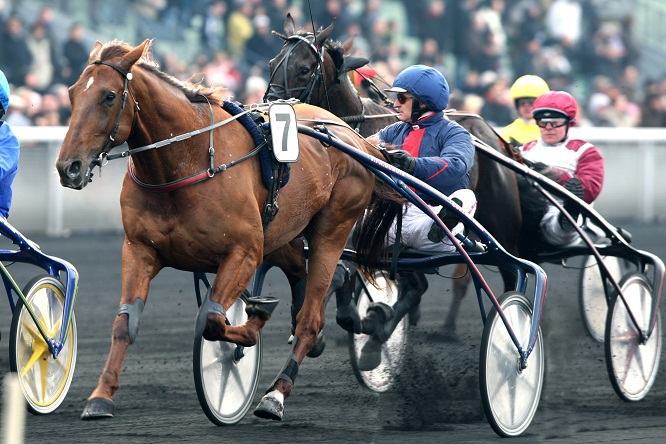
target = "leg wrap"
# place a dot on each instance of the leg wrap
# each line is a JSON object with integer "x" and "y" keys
{"x": 133, "y": 312}
{"x": 290, "y": 369}
{"x": 207, "y": 307}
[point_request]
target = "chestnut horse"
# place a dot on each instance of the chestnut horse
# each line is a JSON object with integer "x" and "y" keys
{"x": 180, "y": 210}
{"x": 315, "y": 70}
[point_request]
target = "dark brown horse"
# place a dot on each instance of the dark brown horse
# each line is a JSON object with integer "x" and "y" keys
{"x": 314, "y": 69}
{"x": 195, "y": 203}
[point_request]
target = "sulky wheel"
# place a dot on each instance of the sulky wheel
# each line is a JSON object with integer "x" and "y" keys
{"x": 226, "y": 376}
{"x": 632, "y": 366}
{"x": 510, "y": 395}
{"x": 381, "y": 378}
{"x": 594, "y": 294}
{"x": 43, "y": 379}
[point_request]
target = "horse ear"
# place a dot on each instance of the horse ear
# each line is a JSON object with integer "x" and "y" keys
{"x": 347, "y": 46}
{"x": 94, "y": 52}
{"x": 350, "y": 63}
{"x": 322, "y": 36}
{"x": 289, "y": 27}
{"x": 141, "y": 51}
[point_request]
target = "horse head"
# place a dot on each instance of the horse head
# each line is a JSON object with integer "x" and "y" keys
{"x": 99, "y": 120}
{"x": 308, "y": 65}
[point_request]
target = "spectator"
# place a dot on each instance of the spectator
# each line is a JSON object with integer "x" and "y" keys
{"x": 527, "y": 37}
{"x": 610, "y": 51}
{"x": 75, "y": 55}
{"x": 213, "y": 30}
{"x": 497, "y": 108}
{"x": 16, "y": 115}
{"x": 148, "y": 14}
{"x": 239, "y": 28}
{"x": 564, "y": 24}
{"x": 653, "y": 111}
{"x": 15, "y": 56}
{"x": 222, "y": 71}
{"x": 621, "y": 113}
{"x": 263, "y": 45}
{"x": 45, "y": 63}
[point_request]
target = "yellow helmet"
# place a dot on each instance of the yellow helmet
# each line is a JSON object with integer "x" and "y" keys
{"x": 528, "y": 86}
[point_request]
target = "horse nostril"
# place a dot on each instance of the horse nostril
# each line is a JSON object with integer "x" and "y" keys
{"x": 74, "y": 169}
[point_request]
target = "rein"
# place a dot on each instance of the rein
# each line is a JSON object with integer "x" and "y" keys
{"x": 104, "y": 157}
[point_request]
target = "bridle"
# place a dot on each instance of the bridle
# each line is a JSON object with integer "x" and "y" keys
{"x": 127, "y": 75}
{"x": 276, "y": 92}
{"x": 207, "y": 173}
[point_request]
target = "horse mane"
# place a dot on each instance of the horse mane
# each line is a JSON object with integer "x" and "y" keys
{"x": 195, "y": 92}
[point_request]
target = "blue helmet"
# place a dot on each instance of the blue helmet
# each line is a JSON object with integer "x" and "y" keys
{"x": 4, "y": 93}
{"x": 426, "y": 84}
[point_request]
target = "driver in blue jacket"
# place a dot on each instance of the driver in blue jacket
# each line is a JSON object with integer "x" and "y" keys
{"x": 438, "y": 151}
{"x": 9, "y": 151}
{"x": 431, "y": 148}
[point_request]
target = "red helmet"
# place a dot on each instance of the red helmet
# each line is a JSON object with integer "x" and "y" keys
{"x": 556, "y": 104}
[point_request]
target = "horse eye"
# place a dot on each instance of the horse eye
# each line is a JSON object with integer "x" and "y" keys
{"x": 110, "y": 97}
{"x": 304, "y": 71}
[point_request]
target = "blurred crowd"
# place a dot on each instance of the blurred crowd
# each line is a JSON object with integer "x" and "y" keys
{"x": 481, "y": 46}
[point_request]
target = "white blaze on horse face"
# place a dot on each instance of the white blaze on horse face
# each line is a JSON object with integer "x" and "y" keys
{"x": 90, "y": 82}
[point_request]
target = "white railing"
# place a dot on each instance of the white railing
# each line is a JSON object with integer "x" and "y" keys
{"x": 635, "y": 186}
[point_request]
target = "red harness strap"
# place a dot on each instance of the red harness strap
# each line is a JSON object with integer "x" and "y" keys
{"x": 170, "y": 186}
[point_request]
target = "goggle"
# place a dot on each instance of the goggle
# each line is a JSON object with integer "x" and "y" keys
{"x": 528, "y": 101}
{"x": 555, "y": 122}
{"x": 402, "y": 98}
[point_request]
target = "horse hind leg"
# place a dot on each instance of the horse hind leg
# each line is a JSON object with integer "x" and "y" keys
{"x": 459, "y": 288}
{"x": 382, "y": 320}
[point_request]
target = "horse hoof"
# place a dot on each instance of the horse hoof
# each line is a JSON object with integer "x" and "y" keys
{"x": 376, "y": 316}
{"x": 261, "y": 306}
{"x": 269, "y": 408}
{"x": 98, "y": 408}
{"x": 371, "y": 355}
{"x": 318, "y": 347}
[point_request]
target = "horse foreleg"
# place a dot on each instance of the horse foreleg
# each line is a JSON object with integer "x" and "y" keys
{"x": 233, "y": 275}
{"x": 135, "y": 286}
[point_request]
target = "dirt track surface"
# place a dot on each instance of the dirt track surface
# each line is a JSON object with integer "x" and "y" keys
{"x": 440, "y": 402}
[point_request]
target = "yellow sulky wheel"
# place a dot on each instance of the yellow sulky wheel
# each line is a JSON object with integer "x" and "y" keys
{"x": 44, "y": 380}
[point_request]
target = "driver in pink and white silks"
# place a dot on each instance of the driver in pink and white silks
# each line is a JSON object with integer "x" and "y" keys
{"x": 575, "y": 164}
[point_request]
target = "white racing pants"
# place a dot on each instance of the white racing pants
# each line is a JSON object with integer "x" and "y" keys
{"x": 416, "y": 225}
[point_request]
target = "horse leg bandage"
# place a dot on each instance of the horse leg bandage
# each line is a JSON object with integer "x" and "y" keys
{"x": 133, "y": 312}
{"x": 207, "y": 307}
{"x": 290, "y": 369}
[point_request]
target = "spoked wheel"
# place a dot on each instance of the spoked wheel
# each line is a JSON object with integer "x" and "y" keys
{"x": 510, "y": 395}
{"x": 43, "y": 379}
{"x": 225, "y": 378}
{"x": 632, "y": 366}
{"x": 381, "y": 378}
{"x": 594, "y": 294}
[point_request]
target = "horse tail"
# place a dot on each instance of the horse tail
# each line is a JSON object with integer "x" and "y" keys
{"x": 370, "y": 236}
